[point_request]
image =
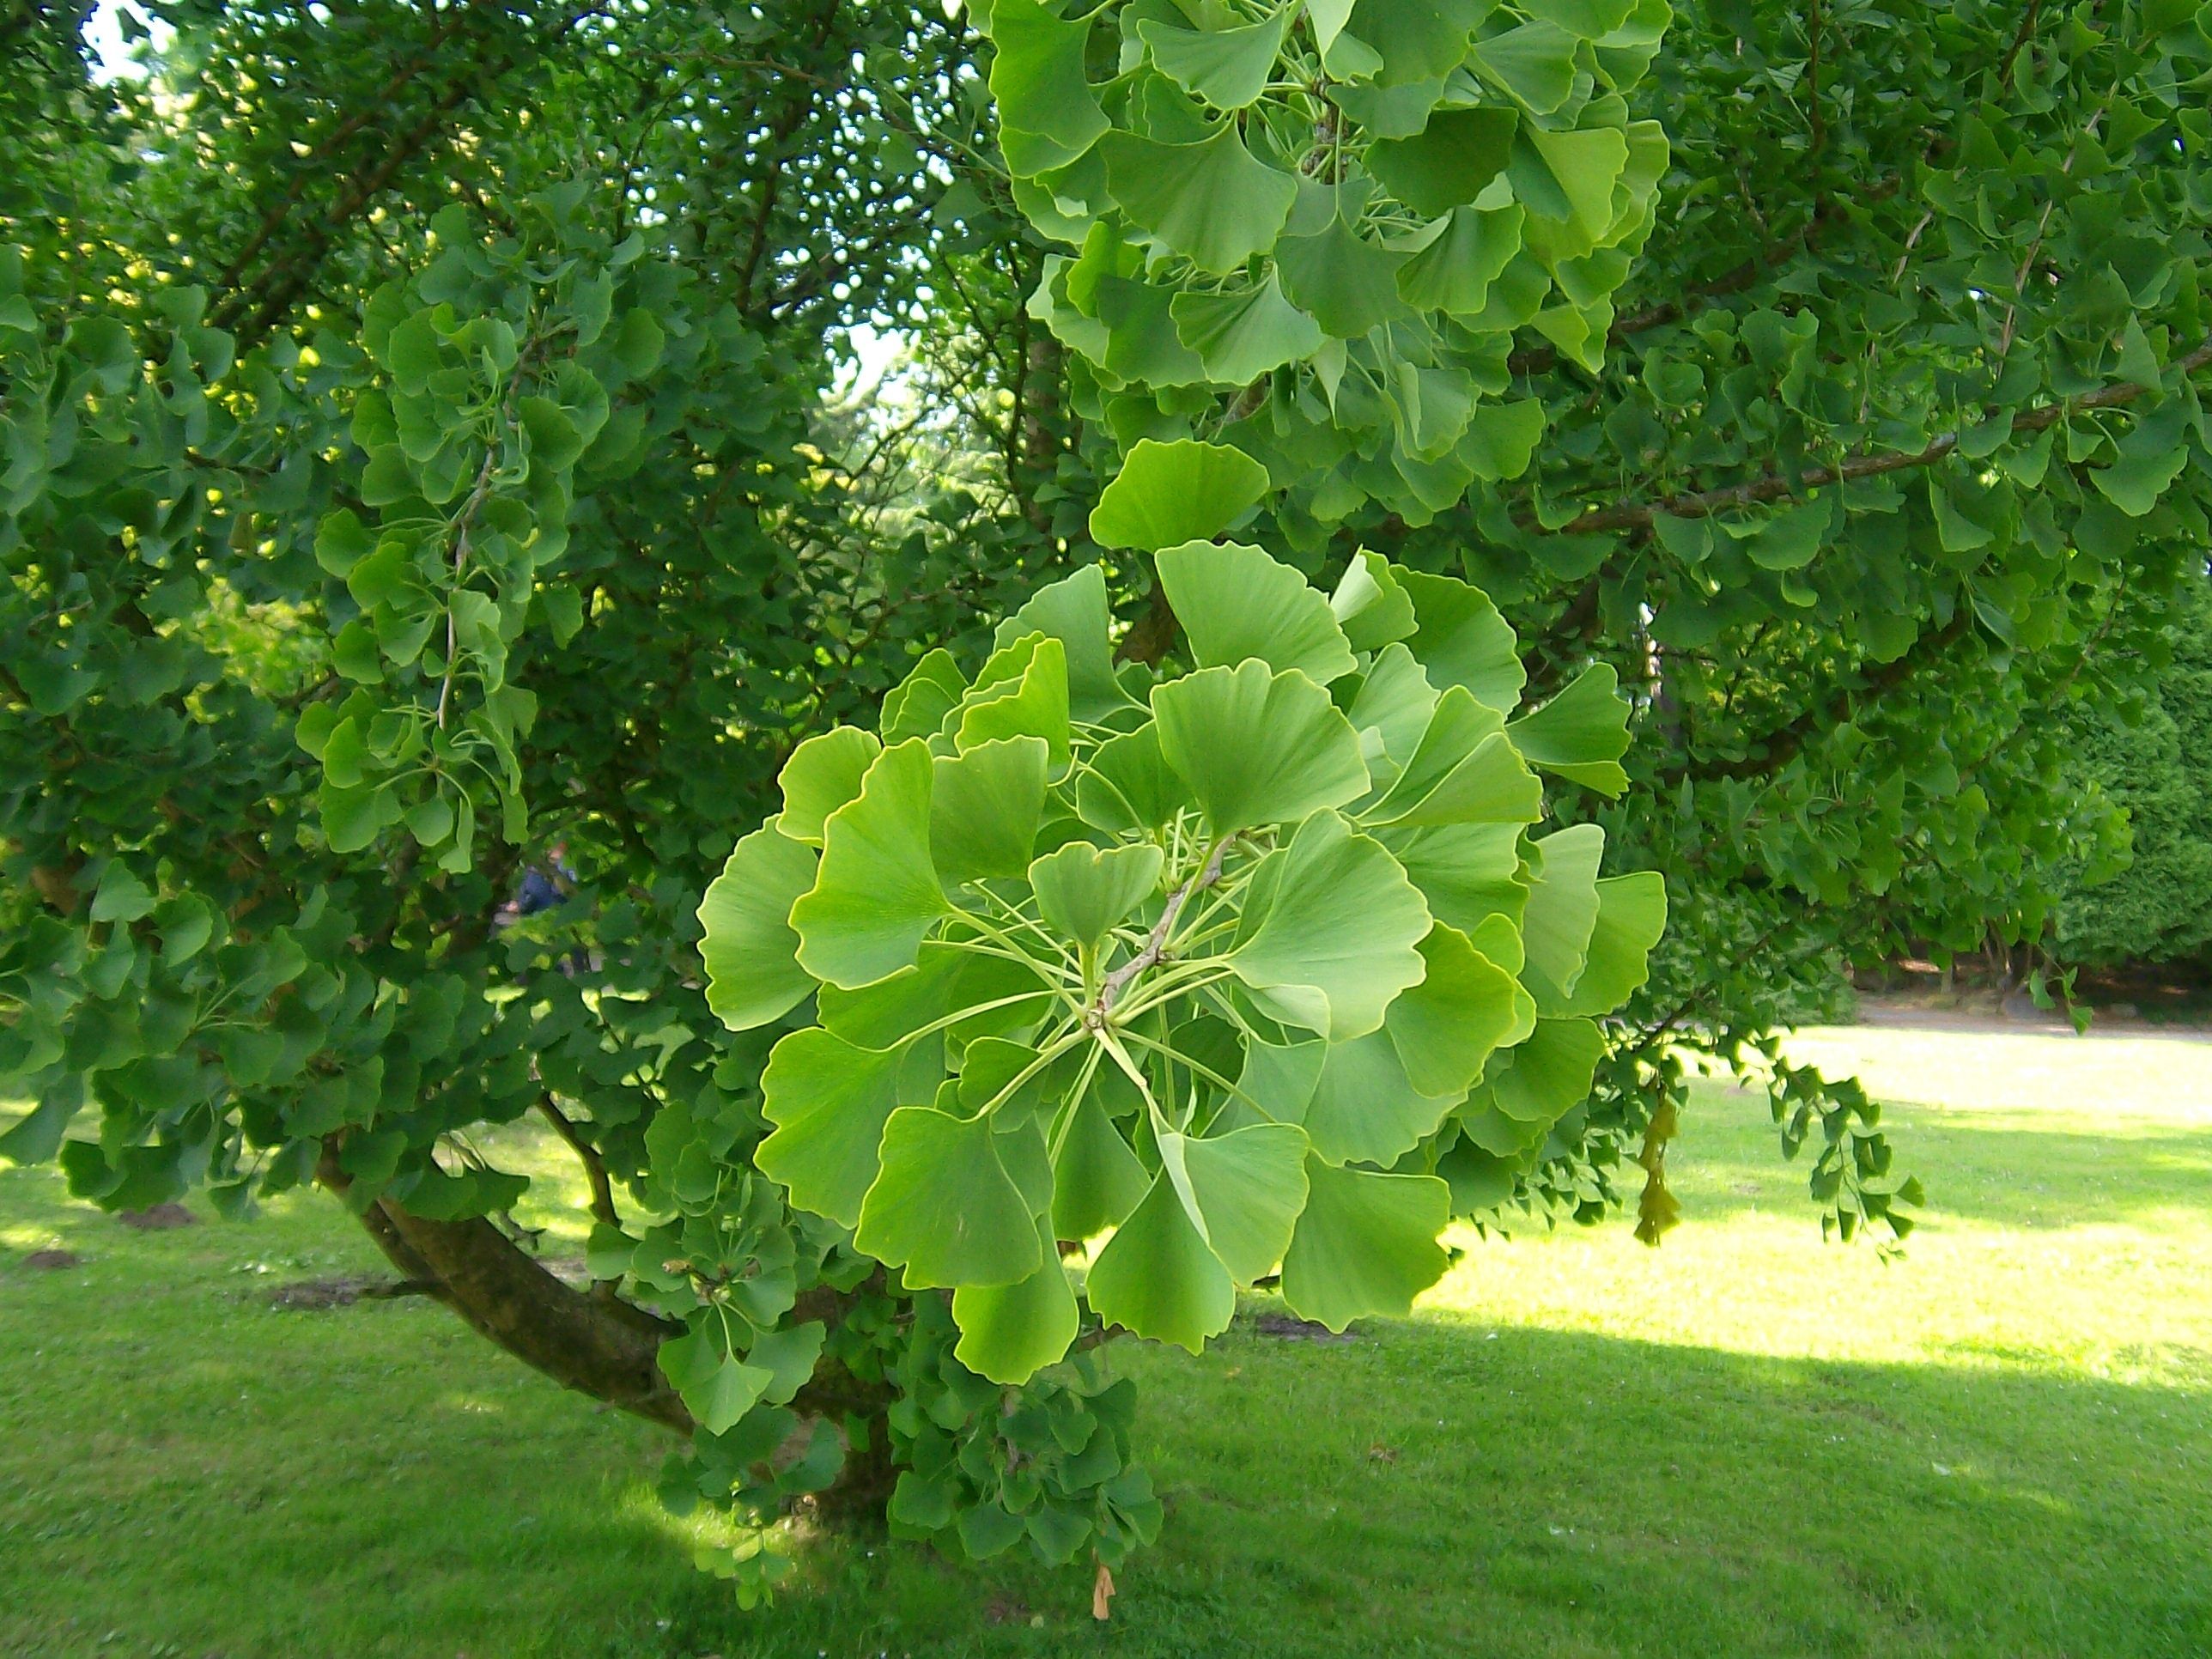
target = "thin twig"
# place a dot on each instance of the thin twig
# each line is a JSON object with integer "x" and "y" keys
{"x": 1109, "y": 991}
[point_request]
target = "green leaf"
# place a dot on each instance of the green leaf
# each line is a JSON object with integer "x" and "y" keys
{"x": 789, "y": 1356}
{"x": 1249, "y": 1186}
{"x": 984, "y": 806}
{"x": 1631, "y": 915}
{"x": 1171, "y": 493}
{"x": 1464, "y": 770}
{"x": 1415, "y": 39}
{"x": 1095, "y": 1179}
{"x": 1535, "y": 62}
{"x": 1366, "y": 1243}
{"x": 1393, "y": 703}
{"x": 750, "y": 952}
{"x": 1463, "y": 640}
{"x": 1127, "y": 784}
{"x": 1365, "y": 1109}
{"x": 1453, "y": 273}
{"x": 1330, "y": 932}
{"x": 121, "y": 896}
{"x": 2150, "y": 458}
{"x": 1212, "y": 202}
{"x": 828, "y": 1100}
{"x": 1446, "y": 1028}
{"x": 823, "y": 773}
{"x": 1242, "y": 334}
{"x": 1084, "y": 893}
{"x": 1562, "y": 910}
{"x": 1021, "y": 692}
{"x": 1075, "y": 611}
{"x": 1592, "y": 20}
{"x": 876, "y": 892}
{"x": 1447, "y": 164}
{"x": 1568, "y": 178}
{"x": 1237, "y": 604}
{"x": 1791, "y": 538}
{"x": 1500, "y": 440}
{"x": 1371, "y": 605}
{"x": 341, "y": 542}
{"x": 717, "y": 1388}
{"x": 1549, "y": 1073}
{"x": 1228, "y": 68}
{"x": 917, "y": 705}
{"x": 1008, "y": 1333}
{"x": 1049, "y": 115}
{"x": 942, "y": 1208}
{"x": 1347, "y": 283}
{"x": 1158, "y": 1278}
{"x": 1257, "y": 747}
{"x": 1582, "y": 733}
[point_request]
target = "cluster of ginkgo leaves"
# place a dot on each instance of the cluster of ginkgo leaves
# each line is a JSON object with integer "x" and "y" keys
{"x": 1320, "y": 223}
{"x": 1259, "y": 967}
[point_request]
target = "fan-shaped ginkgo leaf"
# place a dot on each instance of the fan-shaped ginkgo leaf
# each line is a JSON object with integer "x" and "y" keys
{"x": 750, "y": 953}
{"x": 1167, "y": 493}
{"x": 828, "y": 1100}
{"x": 1075, "y": 611}
{"x": 1157, "y": 1277}
{"x": 1257, "y": 747}
{"x": 1366, "y": 1243}
{"x": 1083, "y": 892}
{"x": 1228, "y": 67}
{"x": 1338, "y": 937}
{"x": 876, "y": 892}
{"x": 1237, "y": 602}
{"x": 1562, "y": 910}
{"x": 942, "y": 1207}
{"x": 1463, "y": 640}
{"x": 984, "y": 805}
{"x": 1582, "y": 733}
{"x": 1212, "y": 202}
{"x": 1008, "y": 1333}
{"x": 1631, "y": 915}
{"x": 823, "y": 773}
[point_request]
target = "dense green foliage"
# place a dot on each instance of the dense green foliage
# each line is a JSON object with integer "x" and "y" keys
{"x": 2157, "y": 767}
{"x": 425, "y": 463}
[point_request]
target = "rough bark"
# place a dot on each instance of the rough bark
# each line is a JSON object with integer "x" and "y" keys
{"x": 608, "y": 1348}
{"x": 603, "y": 1347}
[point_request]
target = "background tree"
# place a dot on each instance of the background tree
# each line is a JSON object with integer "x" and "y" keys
{"x": 424, "y": 445}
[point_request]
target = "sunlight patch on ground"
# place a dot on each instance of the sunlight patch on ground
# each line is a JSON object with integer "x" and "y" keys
{"x": 2069, "y": 1226}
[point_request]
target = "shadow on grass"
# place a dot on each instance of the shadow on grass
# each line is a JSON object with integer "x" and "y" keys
{"x": 1431, "y": 1489}
{"x": 375, "y": 1481}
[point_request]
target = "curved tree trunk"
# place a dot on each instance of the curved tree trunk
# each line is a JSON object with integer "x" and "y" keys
{"x": 598, "y": 1346}
{"x": 605, "y": 1347}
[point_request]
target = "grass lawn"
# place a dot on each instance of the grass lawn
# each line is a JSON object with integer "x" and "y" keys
{"x": 1742, "y": 1444}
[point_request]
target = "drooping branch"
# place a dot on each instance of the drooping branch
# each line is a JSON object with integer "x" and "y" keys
{"x": 1778, "y": 487}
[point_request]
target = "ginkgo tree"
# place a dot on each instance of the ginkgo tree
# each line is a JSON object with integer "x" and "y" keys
{"x": 425, "y": 440}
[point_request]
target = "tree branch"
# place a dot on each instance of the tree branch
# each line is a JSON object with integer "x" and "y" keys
{"x": 595, "y": 1168}
{"x": 1110, "y": 992}
{"x": 1776, "y": 487}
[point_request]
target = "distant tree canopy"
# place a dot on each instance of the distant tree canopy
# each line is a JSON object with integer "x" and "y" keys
{"x": 2154, "y": 758}
{"x": 427, "y": 439}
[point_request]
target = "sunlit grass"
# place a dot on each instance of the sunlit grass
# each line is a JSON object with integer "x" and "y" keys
{"x": 1743, "y": 1442}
